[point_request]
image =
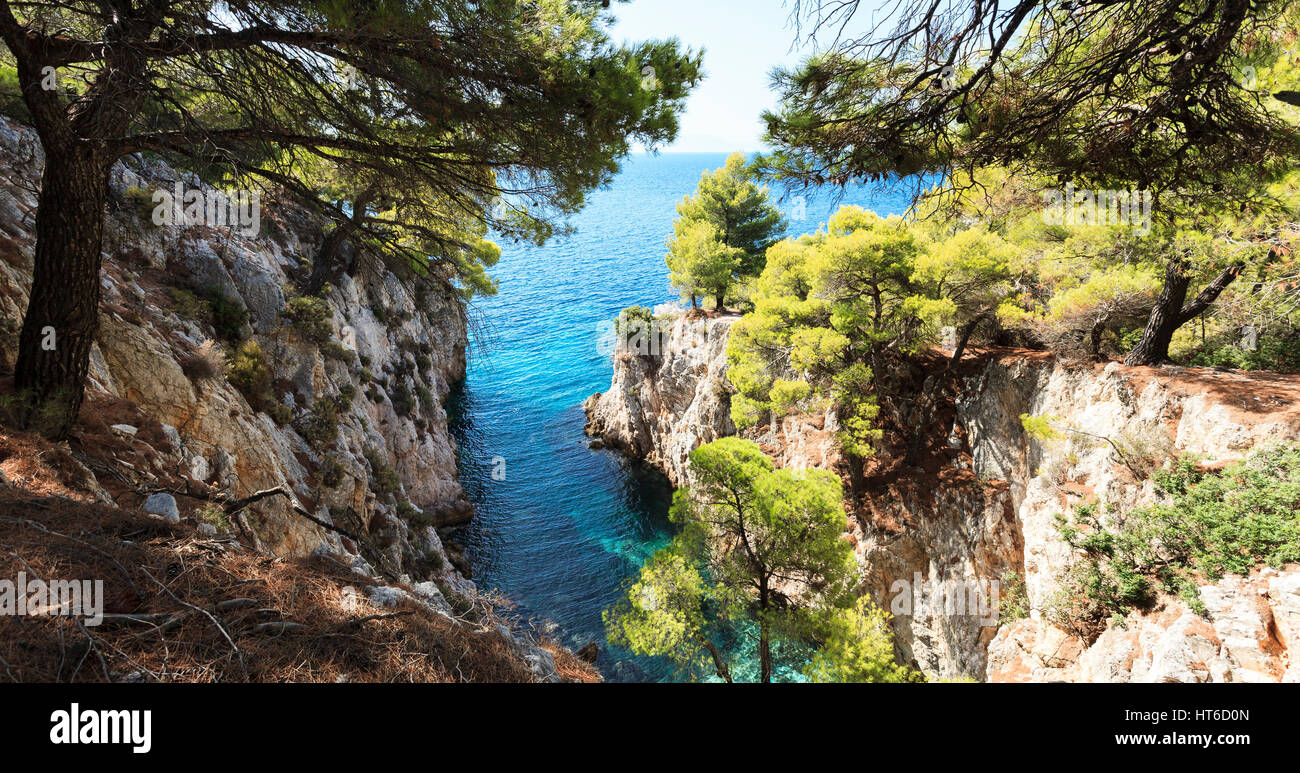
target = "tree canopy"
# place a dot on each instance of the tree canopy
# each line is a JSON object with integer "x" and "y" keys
{"x": 759, "y": 547}
{"x": 722, "y": 232}
{"x": 419, "y": 125}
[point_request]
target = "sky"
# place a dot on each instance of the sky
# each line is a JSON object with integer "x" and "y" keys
{"x": 742, "y": 41}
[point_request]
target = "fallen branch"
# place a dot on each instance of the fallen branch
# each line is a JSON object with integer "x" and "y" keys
{"x": 232, "y": 506}
{"x": 278, "y": 627}
{"x": 238, "y": 652}
{"x": 357, "y": 623}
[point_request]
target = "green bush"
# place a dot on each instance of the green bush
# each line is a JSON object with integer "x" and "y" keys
{"x": 336, "y": 351}
{"x": 280, "y": 413}
{"x": 310, "y": 317}
{"x": 212, "y": 513}
{"x": 247, "y": 372}
{"x": 1214, "y": 523}
{"x": 425, "y": 395}
{"x": 383, "y": 479}
{"x": 331, "y": 474}
{"x": 413, "y": 516}
{"x": 402, "y": 400}
{"x": 189, "y": 305}
{"x": 1280, "y": 354}
{"x": 1013, "y": 599}
{"x": 320, "y": 425}
{"x": 141, "y": 202}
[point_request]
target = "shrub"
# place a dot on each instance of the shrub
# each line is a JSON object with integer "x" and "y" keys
{"x": 141, "y": 202}
{"x": 331, "y": 474}
{"x": 1013, "y": 599}
{"x": 189, "y": 305}
{"x": 1214, "y": 523}
{"x": 413, "y": 515}
{"x": 310, "y": 317}
{"x": 280, "y": 413}
{"x": 246, "y": 371}
{"x": 425, "y": 395}
{"x": 383, "y": 479}
{"x": 336, "y": 351}
{"x": 401, "y": 399}
{"x": 212, "y": 513}
{"x": 205, "y": 362}
{"x": 321, "y": 424}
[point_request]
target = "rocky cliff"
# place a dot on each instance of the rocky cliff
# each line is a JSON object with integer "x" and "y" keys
{"x": 211, "y": 376}
{"x": 983, "y": 505}
{"x": 664, "y": 403}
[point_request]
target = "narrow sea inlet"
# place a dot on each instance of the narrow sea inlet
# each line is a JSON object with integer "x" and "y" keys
{"x": 560, "y": 526}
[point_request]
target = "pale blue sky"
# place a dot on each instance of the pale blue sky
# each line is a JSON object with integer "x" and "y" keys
{"x": 742, "y": 41}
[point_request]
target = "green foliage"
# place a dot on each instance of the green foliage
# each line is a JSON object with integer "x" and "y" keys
{"x": 633, "y": 317}
{"x": 859, "y": 648}
{"x": 228, "y": 316}
{"x": 212, "y": 513}
{"x": 12, "y": 103}
{"x": 246, "y": 370}
{"x": 311, "y": 317}
{"x": 1213, "y": 523}
{"x": 1235, "y": 519}
{"x": 427, "y": 401}
{"x": 827, "y": 307}
{"x": 699, "y": 262}
{"x": 413, "y": 515}
{"x": 331, "y": 473}
{"x": 741, "y": 214}
{"x": 1039, "y": 427}
{"x": 749, "y": 531}
{"x": 336, "y": 351}
{"x": 189, "y": 305}
{"x": 402, "y": 399}
{"x": 320, "y": 425}
{"x": 280, "y": 413}
{"x": 383, "y": 478}
{"x": 1013, "y": 599}
{"x": 209, "y": 306}
{"x": 141, "y": 202}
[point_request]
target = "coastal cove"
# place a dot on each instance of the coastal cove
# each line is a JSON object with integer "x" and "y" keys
{"x": 562, "y": 526}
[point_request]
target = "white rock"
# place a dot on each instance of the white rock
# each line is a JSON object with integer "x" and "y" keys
{"x": 163, "y": 505}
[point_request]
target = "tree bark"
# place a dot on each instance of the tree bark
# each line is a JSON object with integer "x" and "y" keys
{"x": 764, "y": 637}
{"x": 1169, "y": 313}
{"x": 719, "y": 664}
{"x": 63, "y": 310}
{"x": 323, "y": 264}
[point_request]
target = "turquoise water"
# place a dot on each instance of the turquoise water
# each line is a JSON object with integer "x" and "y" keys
{"x": 566, "y": 526}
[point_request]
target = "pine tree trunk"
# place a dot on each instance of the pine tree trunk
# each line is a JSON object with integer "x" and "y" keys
{"x": 764, "y": 638}
{"x": 63, "y": 311}
{"x": 1170, "y": 314}
{"x": 1153, "y": 349}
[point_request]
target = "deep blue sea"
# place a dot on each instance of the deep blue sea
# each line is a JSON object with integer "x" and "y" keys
{"x": 566, "y": 526}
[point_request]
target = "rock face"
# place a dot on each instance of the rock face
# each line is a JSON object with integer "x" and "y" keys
{"x": 1249, "y": 634}
{"x": 357, "y": 413}
{"x": 933, "y": 544}
{"x": 662, "y": 405}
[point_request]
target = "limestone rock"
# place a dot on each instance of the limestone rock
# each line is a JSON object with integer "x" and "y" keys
{"x": 163, "y": 505}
